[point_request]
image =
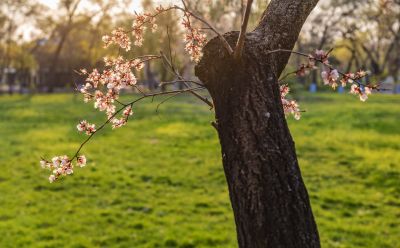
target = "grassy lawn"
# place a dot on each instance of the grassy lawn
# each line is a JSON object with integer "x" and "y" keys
{"x": 158, "y": 182}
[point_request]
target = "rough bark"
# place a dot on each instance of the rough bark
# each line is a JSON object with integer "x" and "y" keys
{"x": 268, "y": 196}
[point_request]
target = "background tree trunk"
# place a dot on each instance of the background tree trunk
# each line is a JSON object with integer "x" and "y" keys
{"x": 268, "y": 196}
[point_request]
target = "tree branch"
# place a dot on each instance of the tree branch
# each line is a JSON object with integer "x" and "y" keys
{"x": 176, "y": 73}
{"x": 173, "y": 92}
{"x": 322, "y": 62}
{"x": 242, "y": 35}
{"x": 280, "y": 26}
{"x": 223, "y": 40}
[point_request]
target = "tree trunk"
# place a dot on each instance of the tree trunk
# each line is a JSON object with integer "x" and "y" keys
{"x": 56, "y": 58}
{"x": 268, "y": 196}
{"x": 150, "y": 77}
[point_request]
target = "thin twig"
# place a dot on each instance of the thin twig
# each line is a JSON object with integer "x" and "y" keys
{"x": 166, "y": 99}
{"x": 242, "y": 36}
{"x": 223, "y": 40}
{"x": 131, "y": 104}
{"x": 137, "y": 87}
{"x": 322, "y": 62}
{"x": 176, "y": 73}
{"x": 202, "y": 20}
{"x": 182, "y": 81}
{"x": 169, "y": 49}
{"x": 287, "y": 75}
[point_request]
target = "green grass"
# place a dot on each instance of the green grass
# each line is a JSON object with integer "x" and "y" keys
{"x": 158, "y": 182}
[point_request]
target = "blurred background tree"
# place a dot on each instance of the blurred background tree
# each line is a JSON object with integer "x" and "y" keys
{"x": 14, "y": 58}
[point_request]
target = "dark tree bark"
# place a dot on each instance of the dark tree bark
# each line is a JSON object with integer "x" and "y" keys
{"x": 56, "y": 58}
{"x": 268, "y": 196}
{"x": 150, "y": 77}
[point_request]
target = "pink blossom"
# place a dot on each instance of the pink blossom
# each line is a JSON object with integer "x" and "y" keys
{"x": 86, "y": 127}
{"x": 43, "y": 163}
{"x": 137, "y": 64}
{"x": 83, "y": 71}
{"x": 368, "y": 90}
{"x": 289, "y": 106}
{"x": 363, "y": 97}
{"x": 81, "y": 161}
{"x": 356, "y": 90}
{"x": 128, "y": 111}
{"x": 61, "y": 166}
{"x": 284, "y": 89}
{"x": 347, "y": 78}
{"x": 116, "y": 123}
{"x": 330, "y": 77}
{"x": 52, "y": 178}
{"x": 118, "y": 36}
{"x": 195, "y": 39}
{"x": 321, "y": 56}
{"x": 361, "y": 74}
{"x": 56, "y": 161}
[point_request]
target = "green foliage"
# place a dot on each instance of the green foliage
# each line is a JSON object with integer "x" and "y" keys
{"x": 158, "y": 182}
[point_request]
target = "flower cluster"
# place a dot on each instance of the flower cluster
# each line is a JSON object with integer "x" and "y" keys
{"x": 118, "y": 36}
{"x": 117, "y": 76}
{"x": 138, "y": 26}
{"x": 333, "y": 77}
{"x": 289, "y": 106}
{"x": 330, "y": 77}
{"x": 105, "y": 101}
{"x": 86, "y": 127}
{"x": 124, "y": 119}
{"x": 61, "y": 166}
{"x": 347, "y": 78}
{"x": 352, "y": 77}
{"x": 321, "y": 56}
{"x": 195, "y": 39}
{"x": 304, "y": 69}
{"x": 362, "y": 93}
{"x": 318, "y": 56}
{"x": 104, "y": 87}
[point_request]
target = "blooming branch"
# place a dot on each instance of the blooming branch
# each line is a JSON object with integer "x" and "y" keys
{"x": 63, "y": 166}
{"x": 331, "y": 76}
{"x": 194, "y": 38}
{"x": 86, "y": 127}
{"x": 289, "y": 106}
{"x": 103, "y": 88}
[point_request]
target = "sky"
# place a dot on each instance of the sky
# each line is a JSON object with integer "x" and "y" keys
{"x": 28, "y": 31}
{"x": 135, "y": 5}
{"x": 53, "y": 4}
